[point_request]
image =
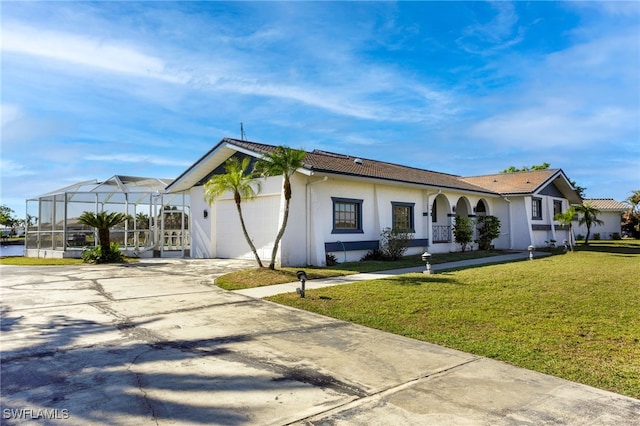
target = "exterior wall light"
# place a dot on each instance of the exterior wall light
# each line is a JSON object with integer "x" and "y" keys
{"x": 302, "y": 276}
{"x": 426, "y": 257}
{"x": 205, "y": 213}
{"x": 531, "y": 252}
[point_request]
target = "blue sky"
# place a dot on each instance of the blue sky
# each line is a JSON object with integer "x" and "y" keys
{"x": 94, "y": 89}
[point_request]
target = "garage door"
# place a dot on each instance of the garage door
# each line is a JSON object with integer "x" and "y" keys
{"x": 261, "y": 220}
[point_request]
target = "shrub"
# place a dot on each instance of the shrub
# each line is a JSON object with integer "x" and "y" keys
{"x": 330, "y": 259}
{"x": 579, "y": 237}
{"x": 97, "y": 255}
{"x": 488, "y": 230}
{"x": 375, "y": 254}
{"x": 394, "y": 242}
{"x": 596, "y": 236}
{"x": 463, "y": 231}
{"x": 616, "y": 236}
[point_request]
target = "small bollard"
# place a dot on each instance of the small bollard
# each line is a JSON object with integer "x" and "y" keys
{"x": 531, "y": 252}
{"x": 426, "y": 257}
{"x": 302, "y": 276}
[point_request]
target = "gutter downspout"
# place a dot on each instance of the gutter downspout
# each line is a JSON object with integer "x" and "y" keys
{"x": 510, "y": 223}
{"x": 308, "y": 221}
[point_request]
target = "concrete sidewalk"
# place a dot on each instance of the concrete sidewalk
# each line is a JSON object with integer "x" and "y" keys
{"x": 272, "y": 290}
{"x": 156, "y": 343}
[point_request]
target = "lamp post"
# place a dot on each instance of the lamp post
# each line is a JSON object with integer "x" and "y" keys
{"x": 302, "y": 276}
{"x": 426, "y": 257}
{"x": 531, "y": 252}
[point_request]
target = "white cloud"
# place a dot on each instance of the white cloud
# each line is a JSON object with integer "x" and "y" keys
{"x": 138, "y": 158}
{"x": 9, "y": 113}
{"x": 499, "y": 33}
{"x": 14, "y": 169}
{"x": 85, "y": 51}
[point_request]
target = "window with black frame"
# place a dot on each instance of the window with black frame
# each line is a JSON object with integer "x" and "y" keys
{"x": 402, "y": 216}
{"x": 347, "y": 215}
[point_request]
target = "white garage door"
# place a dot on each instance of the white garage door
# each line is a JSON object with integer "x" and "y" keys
{"x": 261, "y": 220}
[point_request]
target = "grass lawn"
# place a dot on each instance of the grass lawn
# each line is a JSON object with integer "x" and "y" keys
{"x": 35, "y": 261}
{"x": 263, "y": 276}
{"x": 574, "y": 316}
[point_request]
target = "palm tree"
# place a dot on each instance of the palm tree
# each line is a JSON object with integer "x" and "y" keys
{"x": 566, "y": 219}
{"x": 103, "y": 221}
{"x": 283, "y": 161}
{"x": 634, "y": 201}
{"x": 240, "y": 181}
{"x": 589, "y": 218}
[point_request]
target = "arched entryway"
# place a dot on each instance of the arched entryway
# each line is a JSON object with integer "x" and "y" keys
{"x": 463, "y": 207}
{"x": 440, "y": 220}
{"x": 481, "y": 208}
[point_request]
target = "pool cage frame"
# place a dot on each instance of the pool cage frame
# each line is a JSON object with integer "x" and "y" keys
{"x": 157, "y": 224}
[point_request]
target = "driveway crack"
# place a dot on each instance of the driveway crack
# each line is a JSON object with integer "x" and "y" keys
{"x": 141, "y": 387}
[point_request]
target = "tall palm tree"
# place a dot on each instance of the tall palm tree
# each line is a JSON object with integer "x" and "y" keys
{"x": 239, "y": 180}
{"x": 283, "y": 161}
{"x": 566, "y": 219}
{"x": 589, "y": 218}
{"x": 103, "y": 222}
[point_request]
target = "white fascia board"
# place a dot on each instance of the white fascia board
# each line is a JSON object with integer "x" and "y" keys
{"x": 401, "y": 184}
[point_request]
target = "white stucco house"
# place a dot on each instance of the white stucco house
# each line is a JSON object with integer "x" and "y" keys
{"x": 341, "y": 203}
{"x": 610, "y": 213}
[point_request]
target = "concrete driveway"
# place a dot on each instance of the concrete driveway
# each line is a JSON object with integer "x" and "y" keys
{"x": 156, "y": 343}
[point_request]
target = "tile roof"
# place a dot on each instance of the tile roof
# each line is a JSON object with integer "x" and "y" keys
{"x": 518, "y": 183}
{"x": 329, "y": 162}
{"x": 605, "y": 204}
{"x": 513, "y": 183}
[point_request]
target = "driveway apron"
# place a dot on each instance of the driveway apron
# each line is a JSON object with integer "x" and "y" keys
{"x": 156, "y": 343}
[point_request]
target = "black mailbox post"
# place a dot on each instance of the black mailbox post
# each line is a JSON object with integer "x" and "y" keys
{"x": 302, "y": 276}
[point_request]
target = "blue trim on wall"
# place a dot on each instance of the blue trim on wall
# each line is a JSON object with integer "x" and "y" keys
{"x": 367, "y": 245}
{"x": 351, "y": 245}
{"x": 419, "y": 242}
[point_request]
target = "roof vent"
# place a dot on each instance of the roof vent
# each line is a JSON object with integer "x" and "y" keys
{"x": 357, "y": 160}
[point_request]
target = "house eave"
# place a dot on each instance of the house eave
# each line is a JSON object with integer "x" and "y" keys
{"x": 406, "y": 184}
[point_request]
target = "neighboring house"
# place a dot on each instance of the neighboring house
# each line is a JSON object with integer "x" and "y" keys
{"x": 340, "y": 204}
{"x": 610, "y": 213}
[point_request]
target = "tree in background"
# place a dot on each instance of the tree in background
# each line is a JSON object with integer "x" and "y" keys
{"x": 512, "y": 169}
{"x": 239, "y": 180}
{"x": 589, "y": 218}
{"x": 566, "y": 219}
{"x": 463, "y": 231}
{"x": 6, "y": 216}
{"x": 284, "y": 161}
{"x": 631, "y": 219}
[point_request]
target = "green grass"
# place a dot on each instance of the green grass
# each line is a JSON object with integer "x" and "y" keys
{"x": 573, "y": 316}
{"x": 259, "y": 277}
{"x": 264, "y": 276}
{"x": 35, "y": 261}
